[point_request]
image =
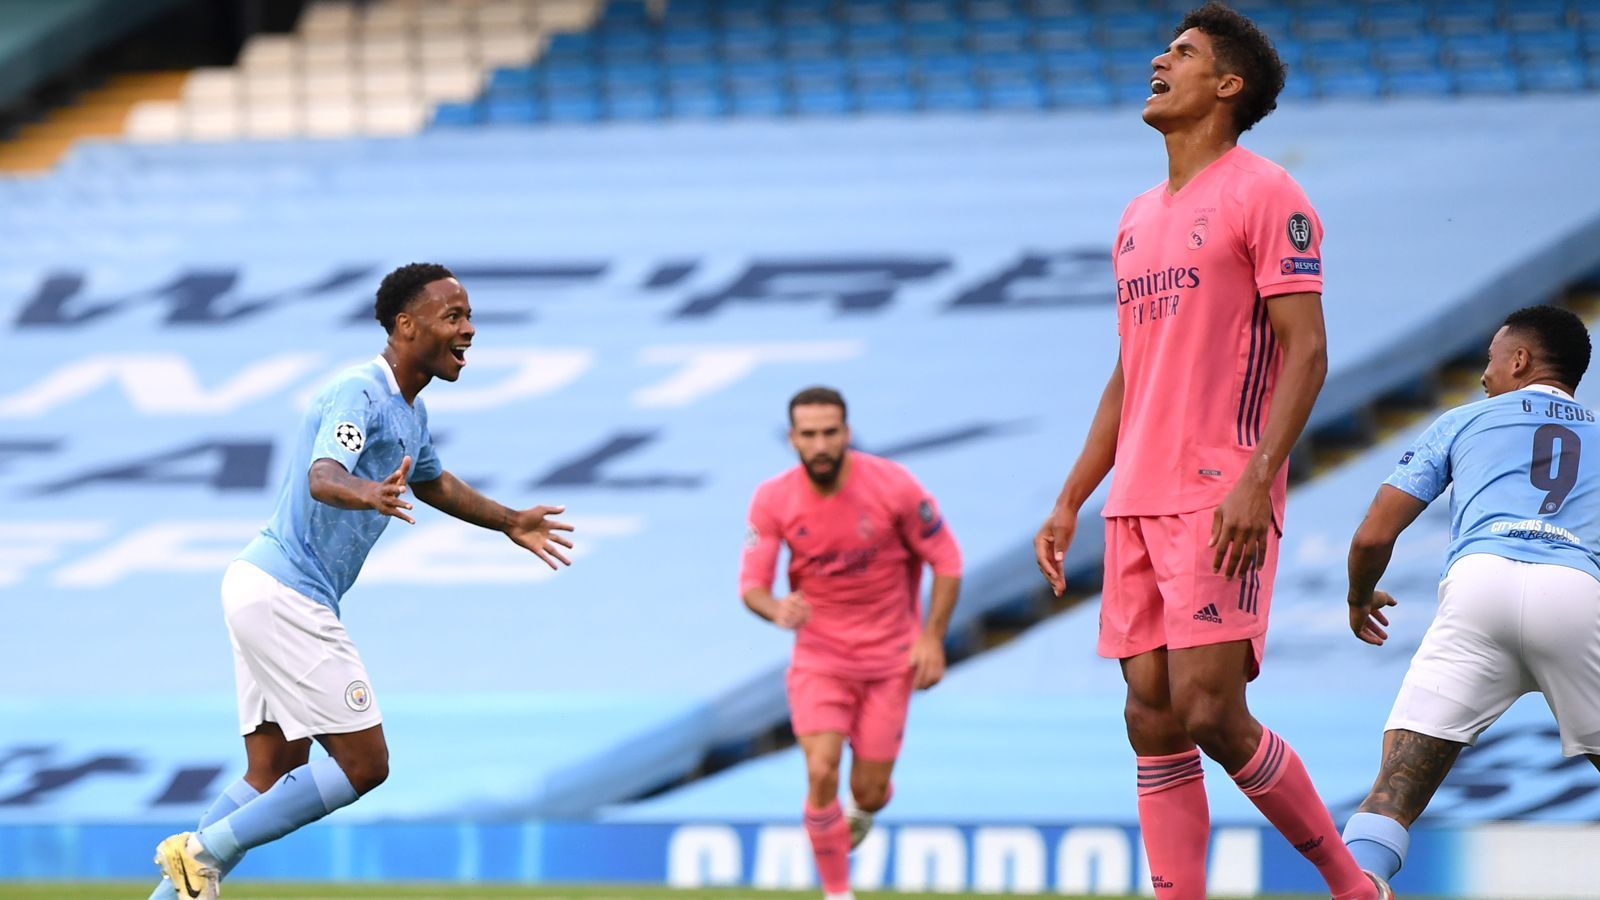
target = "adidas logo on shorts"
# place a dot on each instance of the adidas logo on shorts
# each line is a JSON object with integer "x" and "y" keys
{"x": 1208, "y": 613}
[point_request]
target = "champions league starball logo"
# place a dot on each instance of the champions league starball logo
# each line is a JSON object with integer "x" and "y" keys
{"x": 349, "y": 436}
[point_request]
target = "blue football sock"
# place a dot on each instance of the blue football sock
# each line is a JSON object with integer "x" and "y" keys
{"x": 1378, "y": 843}
{"x": 234, "y": 796}
{"x": 299, "y": 798}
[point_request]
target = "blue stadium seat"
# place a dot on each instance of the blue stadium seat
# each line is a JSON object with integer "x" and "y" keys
{"x": 882, "y": 66}
{"x": 945, "y": 64}
{"x": 936, "y": 36}
{"x": 1349, "y": 54}
{"x": 887, "y": 97}
{"x": 688, "y": 47}
{"x": 1047, "y": 8}
{"x": 1395, "y": 20}
{"x": 634, "y": 105}
{"x": 804, "y": 12}
{"x": 1462, "y": 17}
{"x": 1536, "y": 46}
{"x": 573, "y": 109}
{"x": 1143, "y": 29}
{"x": 569, "y": 76}
{"x": 1420, "y": 82}
{"x": 758, "y": 100}
{"x": 457, "y": 115}
{"x": 931, "y": 10}
{"x": 812, "y": 36}
{"x": 992, "y": 35}
{"x": 1487, "y": 79}
{"x": 993, "y": 65}
{"x": 1327, "y": 23}
{"x": 1410, "y": 51}
{"x": 1298, "y": 86}
{"x": 949, "y": 94}
{"x": 819, "y": 69}
{"x": 1535, "y": 16}
{"x": 698, "y": 72}
{"x": 823, "y": 101}
{"x": 862, "y": 11}
{"x": 629, "y": 45}
{"x": 1474, "y": 49}
{"x": 567, "y": 47}
{"x": 1276, "y": 20}
{"x": 1072, "y": 92}
{"x": 511, "y": 82}
{"x": 1130, "y": 90}
{"x": 1015, "y": 95}
{"x": 1065, "y": 33}
{"x": 704, "y": 105}
{"x": 749, "y": 42}
{"x": 1291, "y": 50}
{"x": 631, "y": 76}
{"x": 1350, "y": 84}
{"x": 993, "y": 9}
{"x": 763, "y": 72}
{"x": 1550, "y": 76}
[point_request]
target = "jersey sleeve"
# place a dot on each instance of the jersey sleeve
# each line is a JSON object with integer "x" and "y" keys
{"x": 346, "y": 426}
{"x": 759, "y": 563}
{"x": 425, "y": 466}
{"x": 924, "y": 530}
{"x": 1283, "y": 236}
{"x": 1424, "y": 469}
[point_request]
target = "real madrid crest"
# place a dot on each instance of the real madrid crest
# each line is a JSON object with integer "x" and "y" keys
{"x": 1197, "y": 234}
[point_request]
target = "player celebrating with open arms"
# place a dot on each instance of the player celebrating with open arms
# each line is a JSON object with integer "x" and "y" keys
{"x": 859, "y": 530}
{"x": 363, "y": 443}
{"x": 1219, "y": 310}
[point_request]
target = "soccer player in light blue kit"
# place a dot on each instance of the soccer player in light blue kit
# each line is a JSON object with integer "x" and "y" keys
{"x": 1519, "y": 606}
{"x": 363, "y": 443}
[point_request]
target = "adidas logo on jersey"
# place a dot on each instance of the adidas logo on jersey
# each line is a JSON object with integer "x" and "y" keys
{"x": 1208, "y": 613}
{"x": 1127, "y": 245}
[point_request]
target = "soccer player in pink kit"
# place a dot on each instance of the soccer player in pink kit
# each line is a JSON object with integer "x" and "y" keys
{"x": 1223, "y": 351}
{"x": 859, "y": 530}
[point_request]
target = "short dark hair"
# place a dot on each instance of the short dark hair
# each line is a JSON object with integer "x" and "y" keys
{"x": 811, "y": 396}
{"x": 1562, "y": 338}
{"x": 1241, "y": 49}
{"x": 402, "y": 286}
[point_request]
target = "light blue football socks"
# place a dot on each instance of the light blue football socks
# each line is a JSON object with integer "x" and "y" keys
{"x": 1378, "y": 843}
{"x": 299, "y": 798}
{"x": 234, "y": 796}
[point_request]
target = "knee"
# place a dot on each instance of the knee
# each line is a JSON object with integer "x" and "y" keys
{"x": 1215, "y": 724}
{"x": 1153, "y": 727}
{"x": 823, "y": 775}
{"x": 871, "y": 794}
{"x": 366, "y": 773}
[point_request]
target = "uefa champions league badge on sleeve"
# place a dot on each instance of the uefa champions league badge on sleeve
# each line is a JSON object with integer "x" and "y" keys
{"x": 358, "y": 696}
{"x": 349, "y": 436}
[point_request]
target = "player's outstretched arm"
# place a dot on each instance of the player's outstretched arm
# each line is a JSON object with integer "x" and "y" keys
{"x": 1094, "y": 462}
{"x": 332, "y": 484}
{"x": 1391, "y": 512}
{"x": 1239, "y": 526}
{"x": 532, "y": 529}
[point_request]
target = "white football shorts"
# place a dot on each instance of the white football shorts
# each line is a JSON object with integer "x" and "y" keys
{"x": 293, "y": 662}
{"x": 1505, "y": 628}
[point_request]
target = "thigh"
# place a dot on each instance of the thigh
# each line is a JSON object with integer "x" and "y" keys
{"x": 1200, "y": 606}
{"x": 880, "y": 723}
{"x": 1561, "y": 649}
{"x": 299, "y": 657}
{"x": 1468, "y": 669}
{"x": 820, "y": 703}
{"x": 1131, "y": 620}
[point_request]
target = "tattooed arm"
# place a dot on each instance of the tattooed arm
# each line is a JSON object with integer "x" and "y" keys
{"x": 1414, "y": 765}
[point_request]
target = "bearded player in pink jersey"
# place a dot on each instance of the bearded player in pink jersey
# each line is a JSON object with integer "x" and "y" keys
{"x": 1219, "y": 312}
{"x": 859, "y": 530}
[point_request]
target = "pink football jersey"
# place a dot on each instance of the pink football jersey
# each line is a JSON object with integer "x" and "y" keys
{"x": 1196, "y": 271}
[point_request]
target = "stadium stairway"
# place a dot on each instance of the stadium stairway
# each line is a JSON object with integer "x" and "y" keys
{"x": 97, "y": 113}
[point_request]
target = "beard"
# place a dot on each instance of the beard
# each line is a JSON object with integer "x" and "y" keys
{"x": 824, "y": 470}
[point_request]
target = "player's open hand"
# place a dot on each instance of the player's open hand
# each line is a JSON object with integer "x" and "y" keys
{"x": 1239, "y": 528}
{"x": 793, "y": 612}
{"x": 1367, "y": 620}
{"x": 534, "y": 530}
{"x": 927, "y": 661}
{"x": 1050, "y": 545}
{"x": 388, "y": 496}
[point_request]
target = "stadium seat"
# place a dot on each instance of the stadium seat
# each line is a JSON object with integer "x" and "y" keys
{"x": 1350, "y": 84}
{"x": 1553, "y": 76}
{"x": 758, "y": 99}
{"x": 823, "y": 99}
{"x": 1071, "y": 92}
{"x": 1498, "y": 78}
{"x": 950, "y": 94}
{"x": 457, "y": 115}
{"x": 1420, "y": 82}
{"x": 1066, "y": 33}
{"x": 884, "y": 98}
{"x": 1465, "y": 17}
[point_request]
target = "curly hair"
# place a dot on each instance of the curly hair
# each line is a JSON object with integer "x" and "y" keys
{"x": 1562, "y": 339}
{"x": 1241, "y": 49}
{"x": 402, "y": 286}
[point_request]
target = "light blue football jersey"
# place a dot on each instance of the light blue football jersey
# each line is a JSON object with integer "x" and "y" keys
{"x": 362, "y": 422}
{"x": 1526, "y": 470}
